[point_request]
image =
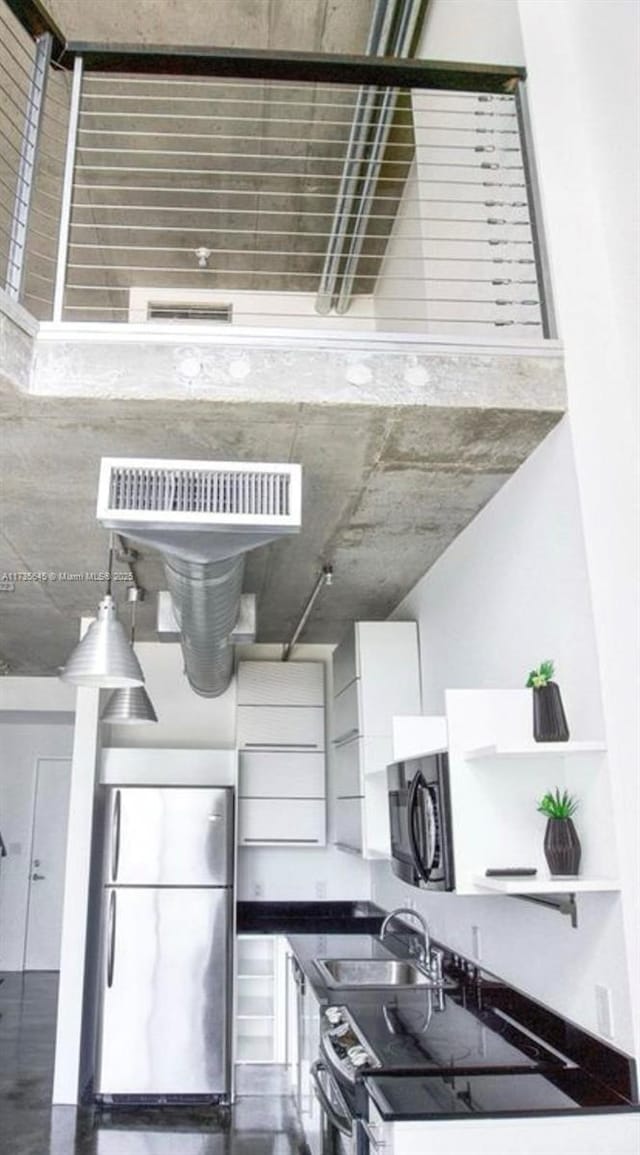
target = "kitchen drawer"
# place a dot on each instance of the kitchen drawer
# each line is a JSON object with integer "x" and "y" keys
{"x": 346, "y": 712}
{"x": 347, "y": 761}
{"x": 279, "y": 727}
{"x": 348, "y": 823}
{"x": 274, "y": 821}
{"x": 281, "y": 774}
{"x": 281, "y": 684}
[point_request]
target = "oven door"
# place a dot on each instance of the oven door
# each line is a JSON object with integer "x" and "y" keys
{"x": 338, "y": 1125}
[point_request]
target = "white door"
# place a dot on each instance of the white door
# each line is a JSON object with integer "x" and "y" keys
{"x": 48, "y": 850}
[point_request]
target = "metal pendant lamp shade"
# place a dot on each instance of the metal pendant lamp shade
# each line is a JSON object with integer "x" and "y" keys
{"x": 131, "y": 704}
{"x": 104, "y": 657}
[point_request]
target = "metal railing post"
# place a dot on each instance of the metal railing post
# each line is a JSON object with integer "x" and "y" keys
{"x": 26, "y": 167}
{"x": 543, "y": 270}
{"x": 67, "y": 191}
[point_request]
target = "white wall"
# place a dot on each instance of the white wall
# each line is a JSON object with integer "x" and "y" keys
{"x": 585, "y": 107}
{"x": 511, "y": 591}
{"x": 476, "y": 31}
{"x": 22, "y": 743}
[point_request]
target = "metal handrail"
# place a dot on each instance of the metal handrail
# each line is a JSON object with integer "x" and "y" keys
{"x": 452, "y": 270}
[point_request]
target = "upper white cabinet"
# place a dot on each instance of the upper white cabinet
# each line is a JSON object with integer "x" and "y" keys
{"x": 281, "y": 741}
{"x": 376, "y": 676}
{"x": 275, "y": 683}
{"x": 281, "y": 727}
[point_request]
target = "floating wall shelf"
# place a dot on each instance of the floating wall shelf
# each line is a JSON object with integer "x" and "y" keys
{"x": 541, "y": 884}
{"x": 537, "y": 750}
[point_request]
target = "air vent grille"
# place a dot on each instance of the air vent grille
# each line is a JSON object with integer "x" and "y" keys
{"x": 218, "y": 314}
{"x": 207, "y": 491}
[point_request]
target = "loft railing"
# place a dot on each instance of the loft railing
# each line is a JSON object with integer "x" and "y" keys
{"x": 244, "y": 190}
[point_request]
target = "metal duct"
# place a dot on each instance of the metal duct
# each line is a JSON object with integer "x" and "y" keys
{"x": 206, "y": 599}
{"x": 202, "y": 516}
{"x": 393, "y": 32}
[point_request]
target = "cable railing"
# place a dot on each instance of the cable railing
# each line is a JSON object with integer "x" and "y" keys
{"x": 34, "y": 111}
{"x": 174, "y": 190}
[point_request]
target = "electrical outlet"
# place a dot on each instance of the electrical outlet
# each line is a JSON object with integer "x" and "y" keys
{"x": 321, "y": 890}
{"x": 476, "y": 946}
{"x": 604, "y": 1012}
{"x": 258, "y": 890}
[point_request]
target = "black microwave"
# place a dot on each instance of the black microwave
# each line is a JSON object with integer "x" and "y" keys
{"x": 420, "y": 822}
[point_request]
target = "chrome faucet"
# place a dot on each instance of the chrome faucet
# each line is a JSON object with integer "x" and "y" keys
{"x": 431, "y": 960}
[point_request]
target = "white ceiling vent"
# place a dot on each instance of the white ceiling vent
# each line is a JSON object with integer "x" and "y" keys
{"x": 202, "y": 516}
{"x": 138, "y": 493}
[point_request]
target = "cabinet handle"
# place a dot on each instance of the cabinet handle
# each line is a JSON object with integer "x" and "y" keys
{"x": 280, "y": 746}
{"x": 348, "y": 736}
{"x": 288, "y": 841}
{"x": 375, "y": 1142}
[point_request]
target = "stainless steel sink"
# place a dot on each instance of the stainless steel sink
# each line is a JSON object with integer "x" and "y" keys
{"x": 372, "y": 972}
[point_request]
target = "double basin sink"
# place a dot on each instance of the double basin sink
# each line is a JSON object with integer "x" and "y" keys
{"x": 361, "y": 973}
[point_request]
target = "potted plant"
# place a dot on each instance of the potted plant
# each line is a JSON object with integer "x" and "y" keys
{"x": 549, "y": 720}
{"x": 561, "y": 843}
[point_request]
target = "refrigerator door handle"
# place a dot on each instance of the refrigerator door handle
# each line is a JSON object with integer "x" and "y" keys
{"x": 111, "y": 948}
{"x": 115, "y": 835}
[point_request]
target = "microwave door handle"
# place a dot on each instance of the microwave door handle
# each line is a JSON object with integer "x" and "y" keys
{"x": 412, "y": 818}
{"x": 432, "y": 839}
{"x": 340, "y": 1122}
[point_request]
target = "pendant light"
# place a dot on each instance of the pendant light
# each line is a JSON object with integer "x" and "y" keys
{"x": 130, "y": 704}
{"x": 104, "y": 656}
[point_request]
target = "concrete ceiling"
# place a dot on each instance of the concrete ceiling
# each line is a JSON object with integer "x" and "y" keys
{"x": 385, "y": 491}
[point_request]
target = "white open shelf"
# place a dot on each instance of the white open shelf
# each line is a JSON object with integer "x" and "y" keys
{"x": 543, "y": 884}
{"x": 533, "y": 750}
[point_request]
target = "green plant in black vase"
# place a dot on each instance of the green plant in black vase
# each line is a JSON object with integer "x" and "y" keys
{"x": 561, "y": 843}
{"x": 549, "y": 720}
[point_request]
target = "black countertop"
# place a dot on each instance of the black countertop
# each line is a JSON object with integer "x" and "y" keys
{"x": 479, "y": 1048}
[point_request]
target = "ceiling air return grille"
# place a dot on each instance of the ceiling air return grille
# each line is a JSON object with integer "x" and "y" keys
{"x": 203, "y": 492}
{"x": 216, "y": 314}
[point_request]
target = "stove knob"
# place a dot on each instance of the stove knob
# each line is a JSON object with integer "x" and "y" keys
{"x": 334, "y": 1015}
{"x": 358, "y": 1056}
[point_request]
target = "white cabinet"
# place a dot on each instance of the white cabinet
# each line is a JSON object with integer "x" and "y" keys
{"x": 284, "y": 822}
{"x": 260, "y": 1025}
{"x": 376, "y": 677}
{"x": 280, "y": 727}
{"x": 281, "y": 740}
{"x": 590, "y": 1134}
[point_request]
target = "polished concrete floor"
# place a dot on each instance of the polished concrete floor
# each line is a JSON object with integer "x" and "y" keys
{"x": 263, "y": 1120}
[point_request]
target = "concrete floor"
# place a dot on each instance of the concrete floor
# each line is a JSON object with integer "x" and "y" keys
{"x": 263, "y": 1122}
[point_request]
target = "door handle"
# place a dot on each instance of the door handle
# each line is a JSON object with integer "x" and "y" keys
{"x": 38, "y": 877}
{"x": 111, "y": 948}
{"x": 115, "y": 835}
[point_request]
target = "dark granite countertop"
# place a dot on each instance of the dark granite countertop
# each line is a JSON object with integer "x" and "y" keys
{"x": 488, "y": 1049}
{"x": 494, "y": 1095}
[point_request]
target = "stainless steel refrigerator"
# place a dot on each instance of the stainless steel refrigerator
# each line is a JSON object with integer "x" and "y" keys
{"x": 165, "y": 999}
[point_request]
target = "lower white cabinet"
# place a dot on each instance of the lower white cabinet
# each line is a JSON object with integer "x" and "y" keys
{"x": 617, "y": 1134}
{"x": 261, "y": 1013}
{"x": 281, "y": 821}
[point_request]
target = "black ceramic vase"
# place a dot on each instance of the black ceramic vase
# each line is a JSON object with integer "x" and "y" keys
{"x": 562, "y": 848}
{"x": 549, "y": 720}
